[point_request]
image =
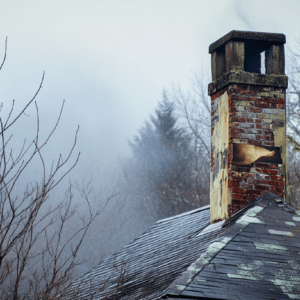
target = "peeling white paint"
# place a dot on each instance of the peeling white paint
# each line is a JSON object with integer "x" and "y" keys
{"x": 220, "y": 195}
{"x": 296, "y": 219}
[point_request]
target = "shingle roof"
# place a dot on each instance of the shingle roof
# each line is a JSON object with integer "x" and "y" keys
{"x": 152, "y": 261}
{"x": 255, "y": 254}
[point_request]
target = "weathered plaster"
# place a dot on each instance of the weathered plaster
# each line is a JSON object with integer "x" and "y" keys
{"x": 279, "y": 131}
{"x": 220, "y": 195}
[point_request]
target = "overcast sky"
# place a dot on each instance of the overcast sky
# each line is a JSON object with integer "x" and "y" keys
{"x": 111, "y": 59}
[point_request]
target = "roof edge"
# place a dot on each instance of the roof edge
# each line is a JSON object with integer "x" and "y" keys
{"x": 183, "y": 214}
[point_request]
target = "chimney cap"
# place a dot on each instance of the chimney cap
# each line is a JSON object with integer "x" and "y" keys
{"x": 272, "y": 38}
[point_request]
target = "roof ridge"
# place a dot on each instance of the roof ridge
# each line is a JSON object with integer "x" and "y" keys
{"x": 248, "y": 216}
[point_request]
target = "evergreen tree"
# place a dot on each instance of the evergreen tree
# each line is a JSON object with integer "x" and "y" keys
{"x": 162, "y": 163}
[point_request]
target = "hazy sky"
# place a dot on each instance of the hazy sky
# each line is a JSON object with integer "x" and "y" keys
{"x": 110, "y": 60}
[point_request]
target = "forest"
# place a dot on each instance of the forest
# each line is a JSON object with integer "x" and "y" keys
{"x": 59, "y": 225}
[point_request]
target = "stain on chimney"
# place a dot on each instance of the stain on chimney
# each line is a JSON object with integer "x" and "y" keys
{"x": 244, "y": 154}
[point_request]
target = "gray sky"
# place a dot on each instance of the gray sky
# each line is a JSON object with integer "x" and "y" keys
{"x": 110, "y": 60}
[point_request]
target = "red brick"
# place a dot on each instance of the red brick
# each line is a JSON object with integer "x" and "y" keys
{"x": 262, "y": 187}
{"x": 254, "y": 131}
{"x": 218, "y": 94}
{"x": 266, "y": 143}
{"x": 239, "y": 196}
{"x": 254, "y": 109}
{"x": 265, "y": 137}
{"x": 273, "y": 182}
{"x": 262, "y": 104}
{"x": 236, "y": 178}
{"x": 237, "y": 97}
{"x": 234, "y": 124}
{"x": 237, "y": 119}
{"x": 268, "y": 132}
{"x": 237, "y": 130}
{"x": 267, "y": 99}
{"x": 246, "y": 185}
{"x": 275, "y": 189}
{"x": 261, "y": 165}
{"x": 280, "y": 106}
{"x": 233, "y": 184}
{"x": 270, "y": 172}
{"x": 265, "y": 165}
{"x": 239, "y": 190}
{"x": 266, "y": 182}
{"x": 274, "y": 105}
{"x": 254, "y": 192}
{"x": 277, "y": 177}
{"x": 254, "y": 98}
{"x": 253, "y": 142}
{"x": 232, "y": 113}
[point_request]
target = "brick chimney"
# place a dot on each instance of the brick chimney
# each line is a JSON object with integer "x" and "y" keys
{"x": 248, "y": 134}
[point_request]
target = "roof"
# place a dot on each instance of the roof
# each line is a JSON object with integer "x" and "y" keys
{"x": 253, "y": 255}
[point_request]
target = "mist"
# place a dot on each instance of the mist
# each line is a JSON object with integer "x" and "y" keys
{"x": 107, "y": 63}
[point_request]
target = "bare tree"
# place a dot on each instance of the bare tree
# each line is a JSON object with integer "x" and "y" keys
{"x": 293, "y": 127}
{"x": 194, "y": 110}
{"x": 38, "y": 256}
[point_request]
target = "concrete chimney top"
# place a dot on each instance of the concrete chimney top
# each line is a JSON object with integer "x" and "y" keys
{"x": 264, "y": 39}
{"x": 236, "y": 57}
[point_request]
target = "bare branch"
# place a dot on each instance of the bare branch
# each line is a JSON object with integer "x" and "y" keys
{"x": 4, "y": 54}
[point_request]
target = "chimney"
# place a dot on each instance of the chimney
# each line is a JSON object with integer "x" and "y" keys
{"x": 248, "y": 134}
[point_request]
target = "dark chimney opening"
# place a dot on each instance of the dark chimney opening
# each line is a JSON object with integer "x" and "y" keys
{"x": 252, "y": 62}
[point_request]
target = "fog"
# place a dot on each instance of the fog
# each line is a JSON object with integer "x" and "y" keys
{"x": 110, "y": 61}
